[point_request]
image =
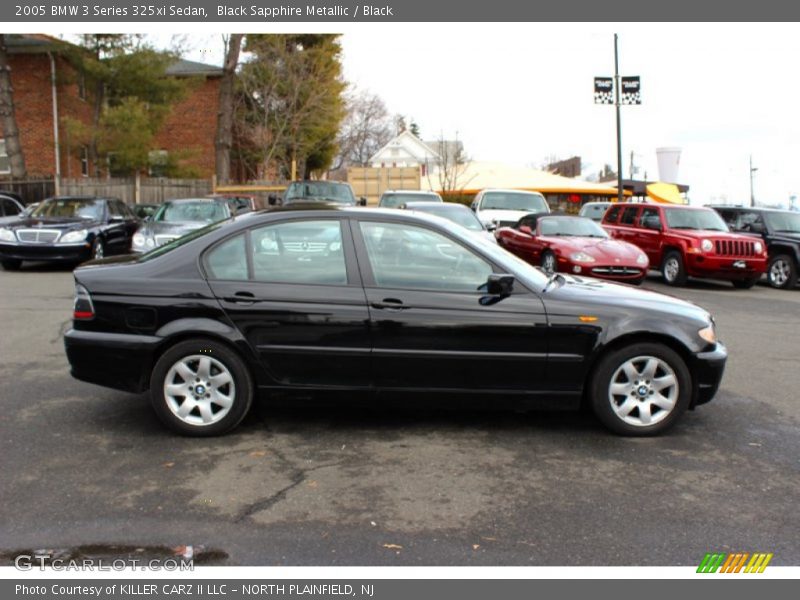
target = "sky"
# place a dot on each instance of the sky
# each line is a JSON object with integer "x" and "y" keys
{"x": 521, "y": 93}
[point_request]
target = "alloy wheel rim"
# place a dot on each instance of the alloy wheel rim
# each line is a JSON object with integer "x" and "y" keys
{"x": 199, "y": 390}
{"x": 549, "y": 263}
{"x": 671, "y": 269}
{"x": 98, "y": 249}
{"x": 643, "y": 391}
{"x": 779, "y": 272}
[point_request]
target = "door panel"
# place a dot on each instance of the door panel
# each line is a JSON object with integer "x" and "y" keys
{"x": 310, "y": 323}
{"x": 431, "y": 325}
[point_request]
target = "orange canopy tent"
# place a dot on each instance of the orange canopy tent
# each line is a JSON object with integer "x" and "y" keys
{"x": 666, "y": 193}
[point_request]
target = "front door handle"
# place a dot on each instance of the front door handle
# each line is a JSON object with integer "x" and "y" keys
{"x": 390, "y": 304}
{"x": 241, "y": 298}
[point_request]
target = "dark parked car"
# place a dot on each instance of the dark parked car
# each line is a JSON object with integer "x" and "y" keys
{"x": 68, "y": 229}
{"x": 780, "y": 231}
{"x": 179, "y": 217}
{"x": 379, "y": 301}
{"x": 330, "y": 192}
{"x": 576, "y": 245}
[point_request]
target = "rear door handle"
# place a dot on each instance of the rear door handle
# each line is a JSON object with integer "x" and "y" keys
{"x": 241, "y": 298}
{"x": 390, "y": 304}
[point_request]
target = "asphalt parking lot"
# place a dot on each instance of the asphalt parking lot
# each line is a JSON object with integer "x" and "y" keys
{"x": 87, "y": 470}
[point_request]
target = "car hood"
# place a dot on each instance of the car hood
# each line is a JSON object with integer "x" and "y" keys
{"x": 501, "y": 216}
{"x": 699, "y": 234}
{"x": 175, "y": 228}
{"x": 606, "y": 294}
{"x": 786, "y": 237}
{"x": 62, "y": 224}
{"x": 602, "y": 250}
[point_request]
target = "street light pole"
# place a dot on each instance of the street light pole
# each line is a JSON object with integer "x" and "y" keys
{"x": 619, "y": 126}
{"x": 752, "y": 170}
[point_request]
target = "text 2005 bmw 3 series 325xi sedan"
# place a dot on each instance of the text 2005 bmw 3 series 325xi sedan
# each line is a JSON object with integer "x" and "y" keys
{"x": 372, "y": 300}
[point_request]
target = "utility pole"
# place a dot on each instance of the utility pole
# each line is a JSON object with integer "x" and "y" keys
{"x": 619, "y": 125}
{"x": 752, "y": 170}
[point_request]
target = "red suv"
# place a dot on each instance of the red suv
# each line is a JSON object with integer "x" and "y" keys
{"x": 688, "y": 241}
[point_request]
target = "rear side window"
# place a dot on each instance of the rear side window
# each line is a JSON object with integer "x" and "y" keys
{"x": 629, "y": 215}
{"x": 228, "y": 260}
{"x": 612, "y": 214}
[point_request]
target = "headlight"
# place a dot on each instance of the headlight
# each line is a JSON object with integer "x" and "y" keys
{"x": 708, "y": 334}
{"x": 707, "y": 245}
{"x": 73, "y": 236}
{"x": 582, "y": 257}
{"x": 758, "y": 247}
{"x": 142, "y": 241}
{"x": 6, "y": 235}
{"x": 641, "y": 259}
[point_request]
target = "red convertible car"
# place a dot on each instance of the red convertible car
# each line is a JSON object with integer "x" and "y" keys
{"x": 574, "y": 245}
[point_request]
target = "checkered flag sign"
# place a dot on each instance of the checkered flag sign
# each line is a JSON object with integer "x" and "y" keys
{"x": 603, "y": 90}
{"x": 631, "y": 91}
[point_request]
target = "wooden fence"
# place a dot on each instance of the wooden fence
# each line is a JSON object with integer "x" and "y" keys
{"x": 137, "y": 190}
{"x": 371, "y": 182}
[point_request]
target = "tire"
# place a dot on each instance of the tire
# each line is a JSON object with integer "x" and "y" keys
{"x": 673, "y": 270}
{"x": 744, "y": 284}
{"x": 201, "y": 407}
{"x": 11, "y": 264}
{"x": 549, "y": 262}
{"x": 98, "y": 249}
{"x": 624, "y": 397}
{"x": 782, "y": 272}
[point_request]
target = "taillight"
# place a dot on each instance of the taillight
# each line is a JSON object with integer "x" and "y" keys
{"x": 83, "y": 308}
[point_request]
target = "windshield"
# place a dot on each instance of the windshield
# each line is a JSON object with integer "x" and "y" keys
{"x": 321, "y": 190}
{"x": 191, "y": 212}
{"x": 526, "y": 201}
{"x": 574, "y": 226}
{"x": 81, "y": 208}
{"x": 681, "y": 218}
{"x": 785, "y": 222}
{"x": 395, "y": 200}
{"x": 456, "y": 213}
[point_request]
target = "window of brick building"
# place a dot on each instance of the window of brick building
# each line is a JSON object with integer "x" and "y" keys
{"x": 159, "y": 163}
{"x": 5, "y": 164}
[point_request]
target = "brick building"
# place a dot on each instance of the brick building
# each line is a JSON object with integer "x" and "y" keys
{"x": 48, "y": 90}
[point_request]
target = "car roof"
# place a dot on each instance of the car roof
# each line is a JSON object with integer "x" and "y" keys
{"x": 506, "y": 190}
{"x": 426, "y": 203}
{"x": 415, "y": 192}
{"x": 750, "y": 208}
{"x": 186, "y": 200}
{"x": 79, "y": 198}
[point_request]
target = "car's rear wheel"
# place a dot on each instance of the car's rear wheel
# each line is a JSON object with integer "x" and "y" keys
{"x": 782, "y": 272}
{"x": 201, "y": 388}
{"x": 744, "y": 284}
{"x": 673, "y": 269}
{"x": 549, "y": 264}
{"x": 11, "y": 264}
{"x": 641, "y": 389}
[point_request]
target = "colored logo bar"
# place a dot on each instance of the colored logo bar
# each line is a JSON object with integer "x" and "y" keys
{"x": 737, "y": 562}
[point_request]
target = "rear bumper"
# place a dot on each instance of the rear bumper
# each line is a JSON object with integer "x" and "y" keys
{"x": 116, "y": 360}
{"x": 708, "y": 370}
{"x": 49, "y": 252}
{"x": 729, "y": 268}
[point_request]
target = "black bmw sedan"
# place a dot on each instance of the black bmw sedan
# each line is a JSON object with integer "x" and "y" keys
{"x": 366, "y": 301}
{"x": 68, "y": 229}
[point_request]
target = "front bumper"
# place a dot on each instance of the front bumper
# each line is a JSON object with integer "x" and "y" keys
{"x": 77, "y": 252}
{"x": 728, "y": 268}
{"x": 116, "y": 360}
{"x": 708, "y": 369}
{"x": 625, "y": 273}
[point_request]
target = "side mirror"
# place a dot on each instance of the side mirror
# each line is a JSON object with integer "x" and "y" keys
{"x": 491, "y": 226}
{"x": 500, "y": 284}
{"x": 526, "y": 229}
{"x": 652, "y": 223}
{"x": 362, "y": 201}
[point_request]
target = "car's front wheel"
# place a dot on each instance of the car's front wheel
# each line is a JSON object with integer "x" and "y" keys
{"x": 782, "y": 272}
{"x": 641, "y": 389}
{"x": 98, "y": 249}
{"x": 201, "y": 388}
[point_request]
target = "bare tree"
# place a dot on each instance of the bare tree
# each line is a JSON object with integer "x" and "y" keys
{"x": 450, "y": 168}
{"x": 365, "y": 130}
{"x": 224, "y": 139}
{"x": 8, "y": 117}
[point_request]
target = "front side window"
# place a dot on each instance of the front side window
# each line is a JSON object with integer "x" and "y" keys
{"x": 629, "y": 215}
{"x": 612, "y": 214}
{"x": 308, "y": 252}
{"x": 410, "y": 257}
